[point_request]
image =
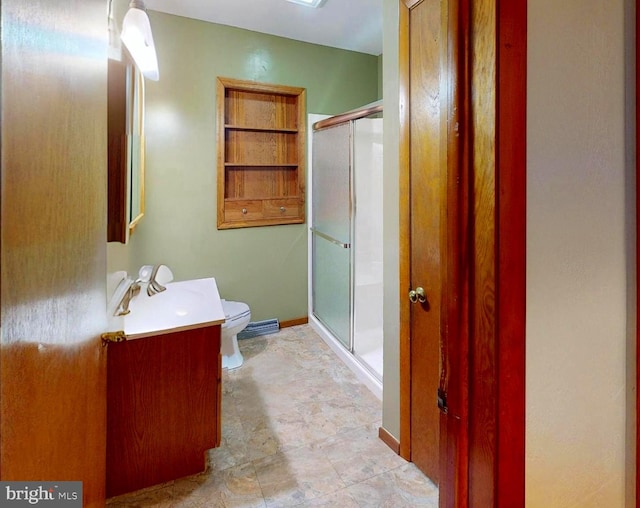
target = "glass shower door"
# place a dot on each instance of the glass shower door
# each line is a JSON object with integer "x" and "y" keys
{"x": 331, "y": 230}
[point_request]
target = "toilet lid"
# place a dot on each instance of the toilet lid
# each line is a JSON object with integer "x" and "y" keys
{"x": 235, "y": 310}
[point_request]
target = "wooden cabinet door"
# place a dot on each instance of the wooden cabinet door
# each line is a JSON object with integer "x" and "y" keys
{"x": 163, "y": 407}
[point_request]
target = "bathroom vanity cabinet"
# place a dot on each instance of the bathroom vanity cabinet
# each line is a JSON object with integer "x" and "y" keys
{"x": 261, "y": 137}
{"x": 163, "y": 407}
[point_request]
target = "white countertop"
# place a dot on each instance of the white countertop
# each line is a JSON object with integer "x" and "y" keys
{"x": 184, "y": 305}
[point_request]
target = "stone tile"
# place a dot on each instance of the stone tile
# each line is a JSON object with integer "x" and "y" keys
{"x": 338, "y": 499}
{"x": 292, "y": 478}
{"x": 313, "y": 388}
{"x": 156, "y": 497}
{"x": 260, "y": 437}
{"x": 359, "y": 454}
{"x": 403, "y": 487}
{"x": 251, "y": 348}
{"x": 234, "y": 487}
{"x": 344, "y": 414}
{"x": 265, "y": 402}
{"x": 233, "y": 449}
{"x": 296, "y": 429}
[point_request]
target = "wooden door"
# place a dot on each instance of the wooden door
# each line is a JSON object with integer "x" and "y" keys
{"x": 427, "y": 171}
{"x": 53, "y": 243}
{"x": 463, "y": 165}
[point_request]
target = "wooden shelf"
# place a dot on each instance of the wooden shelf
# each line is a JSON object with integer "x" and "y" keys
{"x": 261, "y": 154}
{"x": 261, "y": 198}
{"x": 265, "y": 129}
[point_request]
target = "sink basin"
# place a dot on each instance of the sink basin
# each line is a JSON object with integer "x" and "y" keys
{"x": 182, "y": 306}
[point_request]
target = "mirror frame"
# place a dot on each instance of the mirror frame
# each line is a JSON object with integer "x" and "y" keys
{"x": 126, "y": 145}
{"x": 136, "y": 178}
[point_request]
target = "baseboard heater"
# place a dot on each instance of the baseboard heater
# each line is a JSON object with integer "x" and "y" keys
{"x": 260, "y": 328}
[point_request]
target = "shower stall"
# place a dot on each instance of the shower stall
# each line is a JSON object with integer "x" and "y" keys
{"x": 346, "y": 238}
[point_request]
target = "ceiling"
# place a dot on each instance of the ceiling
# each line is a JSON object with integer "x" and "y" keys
{"x": 347, "y": 24}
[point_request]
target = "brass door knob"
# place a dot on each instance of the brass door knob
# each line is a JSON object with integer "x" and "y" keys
{"x": 417, "y": 295}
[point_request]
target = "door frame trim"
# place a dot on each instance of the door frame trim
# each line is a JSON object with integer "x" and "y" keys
{"x": 405, "y": 228}
{"x": 504, "y": 483}
{"x": 511, "y": 266}
{"x": 637, "y": 246}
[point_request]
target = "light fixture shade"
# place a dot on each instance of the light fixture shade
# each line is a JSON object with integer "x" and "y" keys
{"x": 136, "y": 36}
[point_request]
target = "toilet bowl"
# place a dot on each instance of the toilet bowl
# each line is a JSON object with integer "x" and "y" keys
{"x": 237, "y": 316}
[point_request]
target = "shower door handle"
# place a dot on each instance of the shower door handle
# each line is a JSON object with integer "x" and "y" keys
{"x": 417, "y": 295}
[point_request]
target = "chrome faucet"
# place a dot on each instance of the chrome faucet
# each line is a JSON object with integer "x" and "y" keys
{"x": 154, "y": 287}
{"x": 146, "y": 277}
{"x": 123, "y": 306}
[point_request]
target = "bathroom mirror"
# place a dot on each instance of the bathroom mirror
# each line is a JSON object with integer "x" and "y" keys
{"x": 126, "y": 145}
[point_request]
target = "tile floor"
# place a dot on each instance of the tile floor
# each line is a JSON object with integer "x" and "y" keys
{"x": 298, "y": 429}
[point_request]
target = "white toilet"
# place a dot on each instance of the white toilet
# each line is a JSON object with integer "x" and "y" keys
{"x": 237, "y": 316}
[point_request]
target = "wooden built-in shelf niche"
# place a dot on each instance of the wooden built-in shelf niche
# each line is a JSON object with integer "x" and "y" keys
{"x": 261, "y": 132}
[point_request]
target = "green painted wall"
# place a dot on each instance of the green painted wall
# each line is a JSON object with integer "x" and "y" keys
{"x": 380, "y": 76}
{"x": 267, "y": 266}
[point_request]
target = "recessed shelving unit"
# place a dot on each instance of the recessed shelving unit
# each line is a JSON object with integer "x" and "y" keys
{"x": 261, "y": 154}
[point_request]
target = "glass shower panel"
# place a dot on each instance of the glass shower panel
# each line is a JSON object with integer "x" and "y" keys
{"x": 331, "y": 230}
{"x": 331, "y": 296}
{"x": 332, "y": 182}
{"x": 368, "y": 242}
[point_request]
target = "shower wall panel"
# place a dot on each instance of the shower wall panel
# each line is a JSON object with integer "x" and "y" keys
{"x": 368, "y": 242}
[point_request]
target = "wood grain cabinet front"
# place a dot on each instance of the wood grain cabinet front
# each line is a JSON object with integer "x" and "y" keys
{"x": 281, "y": 208}
{"x": 163, "y": 407}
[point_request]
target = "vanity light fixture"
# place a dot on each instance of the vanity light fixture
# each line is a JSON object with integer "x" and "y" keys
{"x": 136, "y": 36}
{"x": 309, "y": 3}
